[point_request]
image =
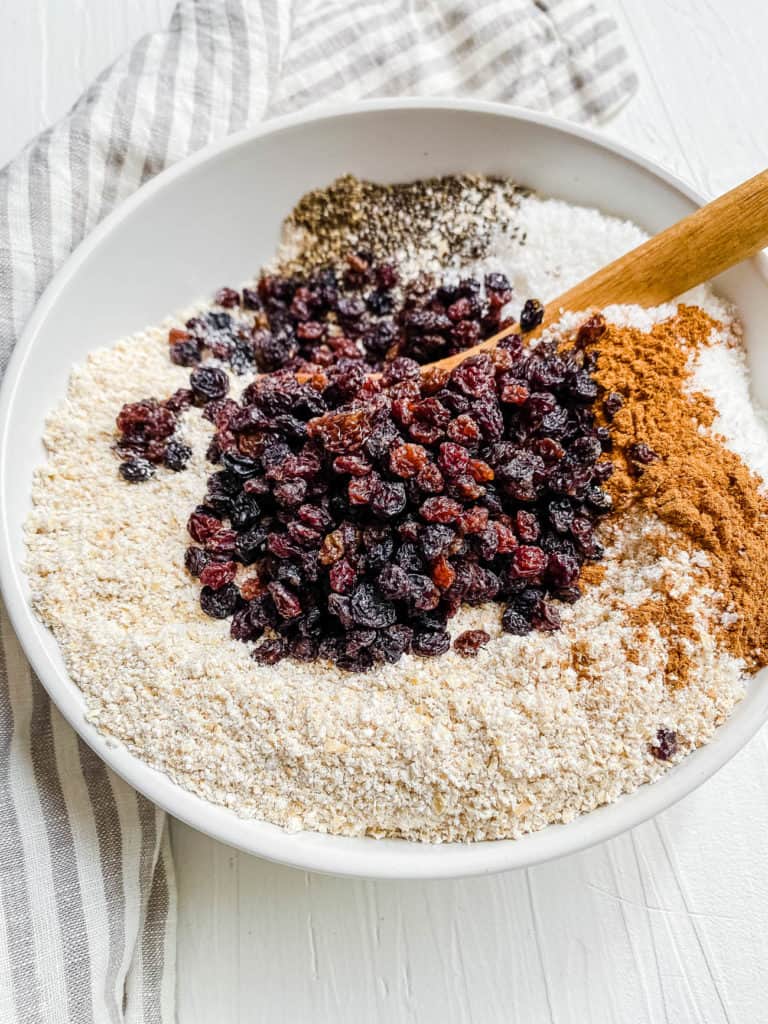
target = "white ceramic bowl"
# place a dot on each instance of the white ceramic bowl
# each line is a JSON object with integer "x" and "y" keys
{"x": 214, "y": 218}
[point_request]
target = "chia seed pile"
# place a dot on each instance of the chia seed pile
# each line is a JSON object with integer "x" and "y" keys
{"x": 307, "y": 588}
{"x": 407, "y": 221}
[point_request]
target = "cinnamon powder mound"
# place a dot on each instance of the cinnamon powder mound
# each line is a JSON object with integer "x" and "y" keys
{"x": 686, "y": 476}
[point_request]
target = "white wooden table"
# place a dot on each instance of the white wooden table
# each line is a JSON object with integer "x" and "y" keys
{"x": 668, "y": 923}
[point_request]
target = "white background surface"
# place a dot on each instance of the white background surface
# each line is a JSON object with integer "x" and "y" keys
{"x": 668, "y": 923}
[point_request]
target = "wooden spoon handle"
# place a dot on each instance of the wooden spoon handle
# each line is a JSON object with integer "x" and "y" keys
{"x": 702, "y": 245}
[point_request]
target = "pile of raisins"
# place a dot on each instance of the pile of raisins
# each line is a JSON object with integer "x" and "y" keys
{"x": 147, "y": 429}
{"x": 146, "y": 438}
{"x": 310, "y": 321}
{"x": 368, "y": 511}
{"x": 307, "y": 324}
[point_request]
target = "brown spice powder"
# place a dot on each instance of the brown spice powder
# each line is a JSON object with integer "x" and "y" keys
{"x": 677, "y": 627}
{"x": 695, "y": 484}
{"x": 592, "y": 573}
{"x": 583, "y": 661}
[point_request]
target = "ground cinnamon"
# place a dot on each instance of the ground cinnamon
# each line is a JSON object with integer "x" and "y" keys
{"x": 674, "y": 621}
{"x": 686, "y": 476}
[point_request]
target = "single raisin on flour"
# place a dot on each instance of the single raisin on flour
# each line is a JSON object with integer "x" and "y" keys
{"x": 147, "y": 435}
{"x": 136, "y": 470}
{"x": 470, "y": 641}
{"x": 666, "y": 745}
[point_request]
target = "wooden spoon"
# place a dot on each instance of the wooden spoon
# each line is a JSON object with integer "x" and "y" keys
{"x": 709, "y": 241}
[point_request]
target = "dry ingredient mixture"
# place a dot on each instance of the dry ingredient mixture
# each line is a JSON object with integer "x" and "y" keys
{"x": 452, "y": 610}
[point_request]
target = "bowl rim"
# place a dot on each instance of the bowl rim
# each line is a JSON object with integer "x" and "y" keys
{"x": 338, "y": 855}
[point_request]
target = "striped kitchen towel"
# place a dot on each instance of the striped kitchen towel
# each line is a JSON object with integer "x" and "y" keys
{"x": 86, "y": 878}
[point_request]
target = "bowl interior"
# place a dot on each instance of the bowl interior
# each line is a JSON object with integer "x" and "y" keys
{"x": 215, "y": 219}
